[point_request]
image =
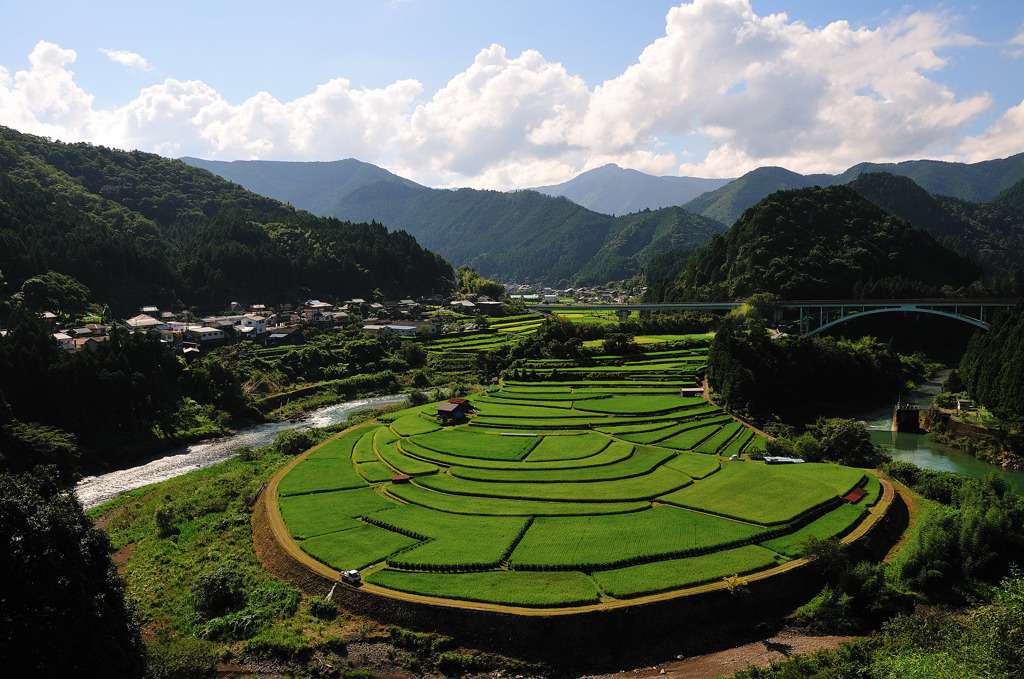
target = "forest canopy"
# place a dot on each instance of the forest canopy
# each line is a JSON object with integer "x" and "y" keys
{"x": 135, "y": 228}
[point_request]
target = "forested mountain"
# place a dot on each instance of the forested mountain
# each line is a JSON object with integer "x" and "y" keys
{"x": 613, "y": 190}
{"x": 819, "y": 243}
{"x": 135, "y": 227}
{"x": 991, "y": 233}
{"x": 526, "y": 236}
{"x": 727, "y": 203}
{"x": 977, "y": 182}
{"x": 635, "y": 239}
{"x": 312, "y": 186}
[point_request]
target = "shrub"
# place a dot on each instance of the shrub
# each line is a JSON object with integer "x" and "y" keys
{"x": 321, "y": 608}
{"x": 295, "y": 441}
{"x": 219, "y": 592}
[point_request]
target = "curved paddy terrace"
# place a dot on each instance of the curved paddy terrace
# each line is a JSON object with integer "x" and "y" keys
{"x": 560, "y": 494}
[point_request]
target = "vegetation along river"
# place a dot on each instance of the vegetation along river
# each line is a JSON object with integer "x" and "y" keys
{"x": 95, "y": 490}
{"x": 922, "y": 451}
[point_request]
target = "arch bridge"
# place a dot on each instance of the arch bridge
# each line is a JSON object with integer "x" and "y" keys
{"x": 815, "y": 316}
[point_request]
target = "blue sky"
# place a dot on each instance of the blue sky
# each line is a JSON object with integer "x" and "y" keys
{"x": 510, "y": 94}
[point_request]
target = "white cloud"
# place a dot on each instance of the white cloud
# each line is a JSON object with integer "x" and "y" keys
{"x": 722, "y": 92}
{"x": 129, "y": 59}
{"x": 1016, "y": 46}
{"x": 1003, "y": 138}
{"x": 45, "y": 99}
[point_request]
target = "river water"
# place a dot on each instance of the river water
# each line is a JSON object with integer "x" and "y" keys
{"x": 95, "y": 490}
{"x": 922, "y": 451}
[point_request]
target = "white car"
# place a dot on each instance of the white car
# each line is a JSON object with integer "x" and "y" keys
{"x": 350, "y": 577}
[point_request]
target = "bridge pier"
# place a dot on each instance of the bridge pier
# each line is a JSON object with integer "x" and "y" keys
{"x": 906, "y": 419}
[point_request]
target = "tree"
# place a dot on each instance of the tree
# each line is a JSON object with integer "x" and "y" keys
{"x": 846, "y": 442}
{"x": 53, "y": 291}
{"x": 62, "y": 606}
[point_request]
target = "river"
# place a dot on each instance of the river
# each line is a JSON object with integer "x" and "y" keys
{"x": 922, "y": 451}
{"x": 95, "y": 490}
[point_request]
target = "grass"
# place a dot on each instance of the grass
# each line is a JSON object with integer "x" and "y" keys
{"x": 570, "y": 447}
{"x": 374, "y": 472}
{"x": 464, "y": 442}
{"x": 356, "y": 548}
{"x": 836, "y": 523}
{"x": 659, "y": 482}
{"x": 711, "y": 445}
{"x": 691, "y": 438}
{"x": 319, "y": 474}
{"x": 601, "y": 541}
{"x": 766, "y": 494}
{"x": 465, "y": 504}
{"x": 453, "y": 540}
{"x": 639, "y": 404}
{"x": 410, "y": 425}
{"x": 320, "y": 513}
{"x": 502, "y": 587}
{"x": 396, "y": 459}
{"x": 640, "y": 462}
{"x": 363, "y": 450}
{"x": 662, "y": 576}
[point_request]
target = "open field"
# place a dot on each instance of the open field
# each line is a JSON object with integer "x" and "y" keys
{"x": 562, "y": 491}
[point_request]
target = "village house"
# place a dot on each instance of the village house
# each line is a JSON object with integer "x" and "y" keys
{"x": 65, "y": 341}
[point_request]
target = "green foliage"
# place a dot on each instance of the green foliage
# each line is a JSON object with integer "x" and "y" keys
{"x": 509, "y": 587}
{"x": 218, "y": 592}
{"x": 993, "y": 232}
{"x": 56, "y": 292}
{"x": 846, "y": 442}
{"x": 821, "y": 243}
{"x": 180, "y": 658}
{"x": 792, "y": 377}
{"x": 127, "y": 223}
{"x": 295, "y": 441}
{"x": 62, "y": 604}
{"x": 321, "y": 608}
{"x": 992, "y": 369}
{"x": 469, "y": 281}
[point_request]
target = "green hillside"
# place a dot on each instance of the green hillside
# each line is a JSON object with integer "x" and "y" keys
{"x": 992, "y": 234}
{"x": 976, "y": 182}
{"x": 820, "y": 243}
{"x": 135, "y": 227}
{"x": 526, "y": 236}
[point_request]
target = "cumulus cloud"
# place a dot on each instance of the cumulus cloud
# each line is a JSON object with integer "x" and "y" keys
{"x": 129, "y": 59}
{"x": 723, "y": 91}
{"x": 1005, "y": 137}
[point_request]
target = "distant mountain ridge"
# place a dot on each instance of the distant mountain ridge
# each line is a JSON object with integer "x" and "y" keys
{"x": 527, "y": 236}
{"x": 312, "y": 186}
{"x": 613, "y": 190}
{"x": 977, "y": 182}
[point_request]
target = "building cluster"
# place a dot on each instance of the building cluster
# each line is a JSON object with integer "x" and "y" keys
{"x": 583, "y": 295}
{"x": 184, "y": 333}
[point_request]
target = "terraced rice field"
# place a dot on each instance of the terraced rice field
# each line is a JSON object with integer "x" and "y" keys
{"x": 561, "y": 493}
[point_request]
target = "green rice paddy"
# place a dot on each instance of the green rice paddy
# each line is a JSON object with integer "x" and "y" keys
{"x": 594, "y": 486}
